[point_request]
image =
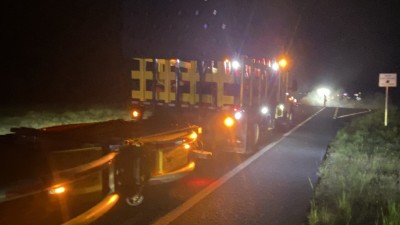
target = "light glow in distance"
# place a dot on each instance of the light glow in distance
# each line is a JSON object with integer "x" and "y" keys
{"x": 323, "y": 91}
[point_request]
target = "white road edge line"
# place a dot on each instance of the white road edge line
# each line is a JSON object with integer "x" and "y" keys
{"x": 174, "y": 214}
{"x": 336, "y": 112}
{"x": 353, "y": 114}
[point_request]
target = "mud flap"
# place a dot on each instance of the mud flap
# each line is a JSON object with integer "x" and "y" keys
{"x": 252, "y": 136}
{"x": 131, "y": 174}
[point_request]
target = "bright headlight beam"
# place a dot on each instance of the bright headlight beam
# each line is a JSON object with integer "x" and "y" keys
{"x": 264, "y": 110}
{"x": 238, "y": 115}
{"x": 275, "y": 66}
{"x": 235, "y": 65}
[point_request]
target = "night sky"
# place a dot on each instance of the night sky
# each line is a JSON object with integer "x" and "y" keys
{"x": 78, "y": 51}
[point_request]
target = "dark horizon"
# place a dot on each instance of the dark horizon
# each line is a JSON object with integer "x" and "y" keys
{"x": 79, "y": 52}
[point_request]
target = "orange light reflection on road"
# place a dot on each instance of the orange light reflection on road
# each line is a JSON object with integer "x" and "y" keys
{"x": 199, "y": 182}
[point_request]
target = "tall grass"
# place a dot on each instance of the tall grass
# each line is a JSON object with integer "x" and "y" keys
{"x": 359, "y": 180}
{"x": 45, "y": 116}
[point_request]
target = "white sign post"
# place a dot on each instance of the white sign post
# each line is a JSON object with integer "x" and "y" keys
{"x": 387, "y": 80}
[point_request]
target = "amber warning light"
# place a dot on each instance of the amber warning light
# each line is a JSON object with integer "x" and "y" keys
{"x": 229, "y": 121}
{"x": 57, "y": 190}
{"x": 136, "y": 114}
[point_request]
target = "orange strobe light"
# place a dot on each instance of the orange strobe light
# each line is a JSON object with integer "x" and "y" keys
{"x": 229, "y": 121}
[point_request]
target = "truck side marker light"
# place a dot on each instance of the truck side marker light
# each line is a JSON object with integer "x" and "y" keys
{"x": 57, "y": 190}
{"x": 113, "y": 199}
{"x": 135, "y": 114}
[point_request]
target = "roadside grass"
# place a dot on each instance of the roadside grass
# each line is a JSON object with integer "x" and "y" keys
{"x": 45, "y": 116}
{"x": 360, "y": 178}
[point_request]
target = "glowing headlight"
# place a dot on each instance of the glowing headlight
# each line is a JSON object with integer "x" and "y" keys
{"x": 281, "y": 107}
{"x": 229, "y": 121}
{"x": 275, "y": 66}
{"x": 238, "y": 115}
{"x": 264, "y": 110}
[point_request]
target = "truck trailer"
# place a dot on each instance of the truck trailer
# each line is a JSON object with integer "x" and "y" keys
{"x": 236, "y": 101}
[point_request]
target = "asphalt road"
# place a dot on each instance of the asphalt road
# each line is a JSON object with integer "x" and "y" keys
{"x": 272, "y": 186}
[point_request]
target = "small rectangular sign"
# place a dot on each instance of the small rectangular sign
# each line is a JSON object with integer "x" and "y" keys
{"x": 387, "y": 80}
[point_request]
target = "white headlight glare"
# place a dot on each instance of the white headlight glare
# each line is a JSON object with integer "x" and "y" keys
{"x": 235, "y": 65}
{"x": 238, "y": 115}
{"x": 264, "y": 110}
{"x": 281, "y": 107}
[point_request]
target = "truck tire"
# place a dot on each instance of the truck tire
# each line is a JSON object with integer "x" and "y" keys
{"x": 134, "y": 200}
{"x": 252, "y": 136}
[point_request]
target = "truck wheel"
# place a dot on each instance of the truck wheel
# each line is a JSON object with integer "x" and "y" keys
{"x": 271, "y": 123}
{"x": 253, "y": 134}
{"x": 134, "y": 200}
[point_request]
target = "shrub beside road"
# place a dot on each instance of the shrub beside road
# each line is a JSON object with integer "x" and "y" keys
{"x": 360, "y": 177}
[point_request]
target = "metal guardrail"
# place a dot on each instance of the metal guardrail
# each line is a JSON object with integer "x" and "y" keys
{"x": 59, "y": 179}
{"x": 31, "y": 187}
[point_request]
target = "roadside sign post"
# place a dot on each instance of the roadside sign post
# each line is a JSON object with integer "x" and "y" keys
{"x": 387, "y": 80}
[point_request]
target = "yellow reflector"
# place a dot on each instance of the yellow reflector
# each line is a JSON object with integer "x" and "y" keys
{"x": 200, "y": 130}
{"x": 57, "y": 190}
{"x": 229, "y": 121}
